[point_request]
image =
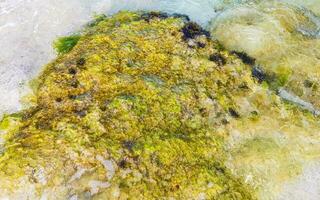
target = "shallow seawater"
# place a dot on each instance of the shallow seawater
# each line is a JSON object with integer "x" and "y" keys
{"x": 283, "y": 36}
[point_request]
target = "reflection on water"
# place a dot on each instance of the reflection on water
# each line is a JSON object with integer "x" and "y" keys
{"x": 284, "y": 40}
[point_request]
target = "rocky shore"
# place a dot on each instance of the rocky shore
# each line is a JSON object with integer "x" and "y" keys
{"x": 146, "y": 105}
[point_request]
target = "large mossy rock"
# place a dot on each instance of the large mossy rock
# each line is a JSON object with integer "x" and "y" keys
{"x": 130, "y": 112}
{"x": 138, "y": 106}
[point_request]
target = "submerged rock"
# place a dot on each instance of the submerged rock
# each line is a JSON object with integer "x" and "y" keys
{"x": 132, "y": 112}
{"x": 281, "y": 37}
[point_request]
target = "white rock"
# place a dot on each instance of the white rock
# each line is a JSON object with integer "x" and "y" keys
{"x": 96, "y": 185}
{"x": 108, "y": 165}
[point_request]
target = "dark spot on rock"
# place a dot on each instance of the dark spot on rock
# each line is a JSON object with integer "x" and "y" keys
{"x": 30, "y": 112}
{"x": 73, "y": 97}
{"x": 104, "y": 105}
{"x": 151, "y": 15}
{"x": 259, "y": 74}
{"x": 218, "y": 58}
{"x": 191, "y": 30}
{"x": 308, "y": 84}
{"x": 203, "y": 112}
{"x": 254, "y": 113}
{"x": 129, "y": 144}
{"x": 130, "y": 63}
{"x": 122, "y": 163}
{"x": 103, "y": 108}
{"x": 72, "y": 71}
{"x": 173, "y": 33}
{"x": 175, "y": 188}
{"x": 117, "y": 24}
{"x": 20, "y": 135}
{"x": 136, "y": 159}
{"x": 220, "y": 169}
{"x": 81, "y": 113}
{"x": 184, "y": 17}
{"x": 246, "y": 59}
{"x": 233, "y": 113}
{"x": 224, "y": 121}
{"x": 201, "y": 45}
{"x": 243, "y": 86}
{"x": 74, "y": 83}
{"x": 43, "y": 124}
{"x": 58, "y": 99}
{"x": 219, "y": 83}
{"x": 81, "y": 62}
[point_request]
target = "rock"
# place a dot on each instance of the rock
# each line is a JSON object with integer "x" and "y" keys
{"x": 169, "y": 116}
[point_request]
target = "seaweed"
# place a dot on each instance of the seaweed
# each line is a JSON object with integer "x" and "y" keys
{"x": 218, "y": 58}
{"x": 65, "y": 44}
{"x": 246, "y": 59}
{"x": 234, "y": 113}
{"x": 153, "y": 14}
{"x": 185, "y": 18}
{"x": 191, "y": 30}
{"x": 259, "y": 74}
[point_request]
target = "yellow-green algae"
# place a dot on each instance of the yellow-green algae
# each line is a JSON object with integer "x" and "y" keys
{"x": 136, "y": 110}
{"x": 128, "y": 113}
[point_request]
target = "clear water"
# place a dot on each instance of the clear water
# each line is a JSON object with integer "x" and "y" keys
{"x": 28, "y": 27}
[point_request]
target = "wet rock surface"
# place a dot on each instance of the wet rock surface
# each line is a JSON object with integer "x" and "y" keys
{"x": 281, "y": 38}
{"x": 102, "y": 128}
{"x": 132, "y": 110}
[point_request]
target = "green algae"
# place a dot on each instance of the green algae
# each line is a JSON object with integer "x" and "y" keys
{"x": 126, "y": 105}
{"x": 65, "y": 44}
{"x": 133, "y": 111}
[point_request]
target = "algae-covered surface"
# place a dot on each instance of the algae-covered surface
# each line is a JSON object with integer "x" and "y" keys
{"x": 148, "y": 106}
